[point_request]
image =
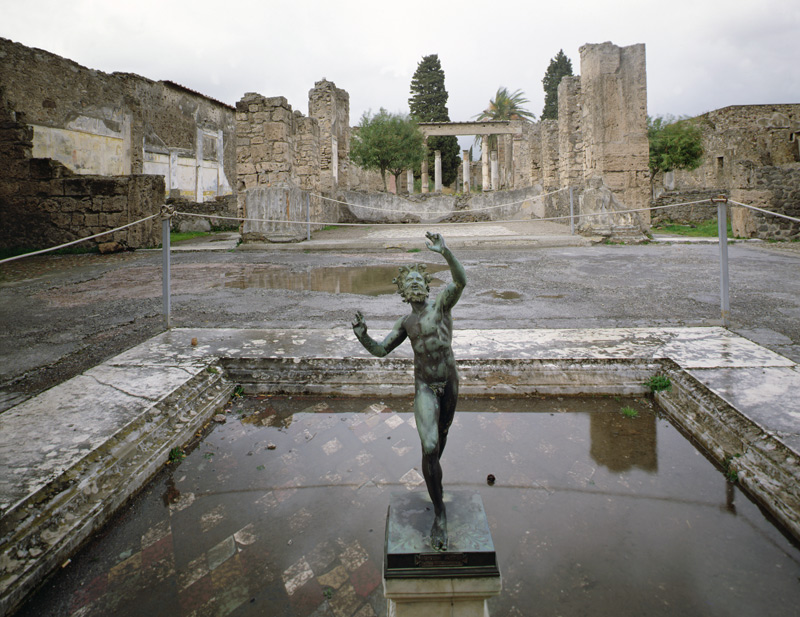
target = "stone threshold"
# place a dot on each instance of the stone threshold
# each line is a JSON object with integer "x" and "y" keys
{"x": 72, "y": 456}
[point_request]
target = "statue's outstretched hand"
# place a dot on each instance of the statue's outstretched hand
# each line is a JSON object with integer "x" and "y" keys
{"x": 436, "y": 243}
{"x": 359, "y": 327}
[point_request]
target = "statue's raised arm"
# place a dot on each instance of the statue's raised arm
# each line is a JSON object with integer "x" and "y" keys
{"x": 452, "y": 292}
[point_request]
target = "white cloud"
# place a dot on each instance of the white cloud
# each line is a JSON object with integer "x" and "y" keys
{"x": 701, "y": 55}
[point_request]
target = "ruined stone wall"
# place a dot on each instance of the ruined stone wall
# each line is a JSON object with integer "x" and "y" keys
{"x": 763, "y": 135}
{"x": 773, "y": 188}
{"x": 280, "y": 148}
{"x": 692, "y": 212}
{"x": 115, "y": 124}
{"x": 43, "y": 204}
{"x": 750, "y": 153}
{"x": 614, "y": 122}
{"x": 330, "y": 106}
{"x": 570, "y": 137}
{"x": 549, "y": 136}
{"x": 221, "y": 213}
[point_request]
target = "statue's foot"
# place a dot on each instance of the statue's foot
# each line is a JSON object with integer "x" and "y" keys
{"x": 439, "y": 534}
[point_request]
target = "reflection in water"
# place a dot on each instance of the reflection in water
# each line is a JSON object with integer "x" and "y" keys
{"x": 368, "y": 280}
{"x": 621, "y": 443}
{"x": 281, "y": 510}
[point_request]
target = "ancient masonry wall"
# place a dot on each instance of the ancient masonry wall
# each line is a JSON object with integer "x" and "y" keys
{"x": 774, "y": 188}
{"x": 614, "y": 121}
{"x": 752, "y": 155}
{"x": 330, "y": 106}
{"x": 599, "y": 139}
{"x": 570, "y": 138}
{"x": 44, "y": 204}
{"x": 282, "y": 149}
{"x": 119, "y": 123}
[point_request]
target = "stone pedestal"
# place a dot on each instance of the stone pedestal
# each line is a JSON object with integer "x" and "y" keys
{"x": 421, "y": 582}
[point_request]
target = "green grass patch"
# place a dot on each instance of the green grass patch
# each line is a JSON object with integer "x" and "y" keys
{"x": 705, "y": 229}
{"x": 629, "y": 412}
{"x": 178, "y": 236}
{"x": 657, "y": 383}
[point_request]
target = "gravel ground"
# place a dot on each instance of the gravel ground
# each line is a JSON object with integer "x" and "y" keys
{"x": 61, "y": 315}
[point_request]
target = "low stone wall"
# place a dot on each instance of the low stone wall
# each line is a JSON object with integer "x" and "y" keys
{"x": 221, "y": 207}
{"x": 43, "y": 204}
{"x": 282, "y": 214}
{"x": 695, "y": 213}
{"x": 436, "y": 207}
{"x": 49, "y": 210}
{"x": 776, "y": 189}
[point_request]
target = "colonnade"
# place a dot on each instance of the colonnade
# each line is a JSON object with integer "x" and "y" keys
{"x": 490, "y": 168}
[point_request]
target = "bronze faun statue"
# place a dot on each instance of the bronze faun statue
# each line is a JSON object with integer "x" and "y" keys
{"x": 430, "y": 330}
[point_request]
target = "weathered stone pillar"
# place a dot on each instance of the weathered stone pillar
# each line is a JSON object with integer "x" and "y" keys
{"x": 410, "y": 181}
{"x": 614, "y": 122}
{"x": 437, "y": 171}
{"x": 424, "y": 169}
{"x": 198, "y": 167}
{"x": 495, "y": 171}
{"x": 485, "y": 162}
{"x": 465, "y": 165}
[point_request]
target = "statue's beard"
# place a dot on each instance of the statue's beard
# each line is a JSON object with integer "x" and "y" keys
{"x": 418, "y": 296}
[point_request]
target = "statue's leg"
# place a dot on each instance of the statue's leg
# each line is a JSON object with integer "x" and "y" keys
{"x": 447, "y": 411}
{"x": 426, "y": 414}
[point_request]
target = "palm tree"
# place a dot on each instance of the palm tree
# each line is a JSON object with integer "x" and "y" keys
{"x": 505, "y": 106}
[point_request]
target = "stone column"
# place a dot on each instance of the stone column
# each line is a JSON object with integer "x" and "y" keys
{"x": 424, "y": 168}
{"x": 437, "y": 171}
{"x": 465, "y": 166}
{"x": 495, "y": 171}
{"x": 173, "y": 187}
{"x": 485, "y": 162}
{"x": 410, "y": 181}
{"x": 198, "y": 167}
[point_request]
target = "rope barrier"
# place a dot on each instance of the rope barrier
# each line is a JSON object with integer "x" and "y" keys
{"x": 66, "y": 244}
{"x": 504, "y": 221}
{"x": 783, "y": 216}
{"x": 445, "y": 212}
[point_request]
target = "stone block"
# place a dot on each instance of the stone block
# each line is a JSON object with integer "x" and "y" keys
{"x": 276, "y": 131}
{"x": 260, "y": 153}
{"x": 277, "y": 101}
{"x": 246, "y": 168}
{"x": 77, "y": 186}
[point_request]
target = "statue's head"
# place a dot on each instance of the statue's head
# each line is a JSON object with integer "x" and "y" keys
{"x": 413, "y": 283}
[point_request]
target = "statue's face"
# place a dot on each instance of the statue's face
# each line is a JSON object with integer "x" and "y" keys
{"x": 415, "y": 289}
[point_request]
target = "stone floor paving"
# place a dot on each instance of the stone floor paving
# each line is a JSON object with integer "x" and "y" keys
{"x": 279, "y": 511}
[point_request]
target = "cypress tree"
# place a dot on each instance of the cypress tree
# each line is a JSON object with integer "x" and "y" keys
{"x": 428, "y": 103}
{"x": 558, "y": 68}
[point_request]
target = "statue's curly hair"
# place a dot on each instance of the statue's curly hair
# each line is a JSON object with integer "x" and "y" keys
{"x": 406, "y": 270}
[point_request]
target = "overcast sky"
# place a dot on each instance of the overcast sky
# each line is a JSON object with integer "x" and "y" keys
{"x": 701, "y": 54}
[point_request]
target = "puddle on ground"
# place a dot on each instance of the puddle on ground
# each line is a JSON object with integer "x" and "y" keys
{"x": 503, "y": 295}
{"x": 281, "y": 511}
{"x": 367, "y": 280}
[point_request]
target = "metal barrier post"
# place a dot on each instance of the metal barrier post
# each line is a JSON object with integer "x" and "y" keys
{"x": 571, "y": 213}
{"x": 166, "y": 216}
{"x": 722, "y": 229}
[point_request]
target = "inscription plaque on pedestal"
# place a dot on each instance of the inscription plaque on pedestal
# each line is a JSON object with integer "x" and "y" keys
{"x": 408, "y": 552}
